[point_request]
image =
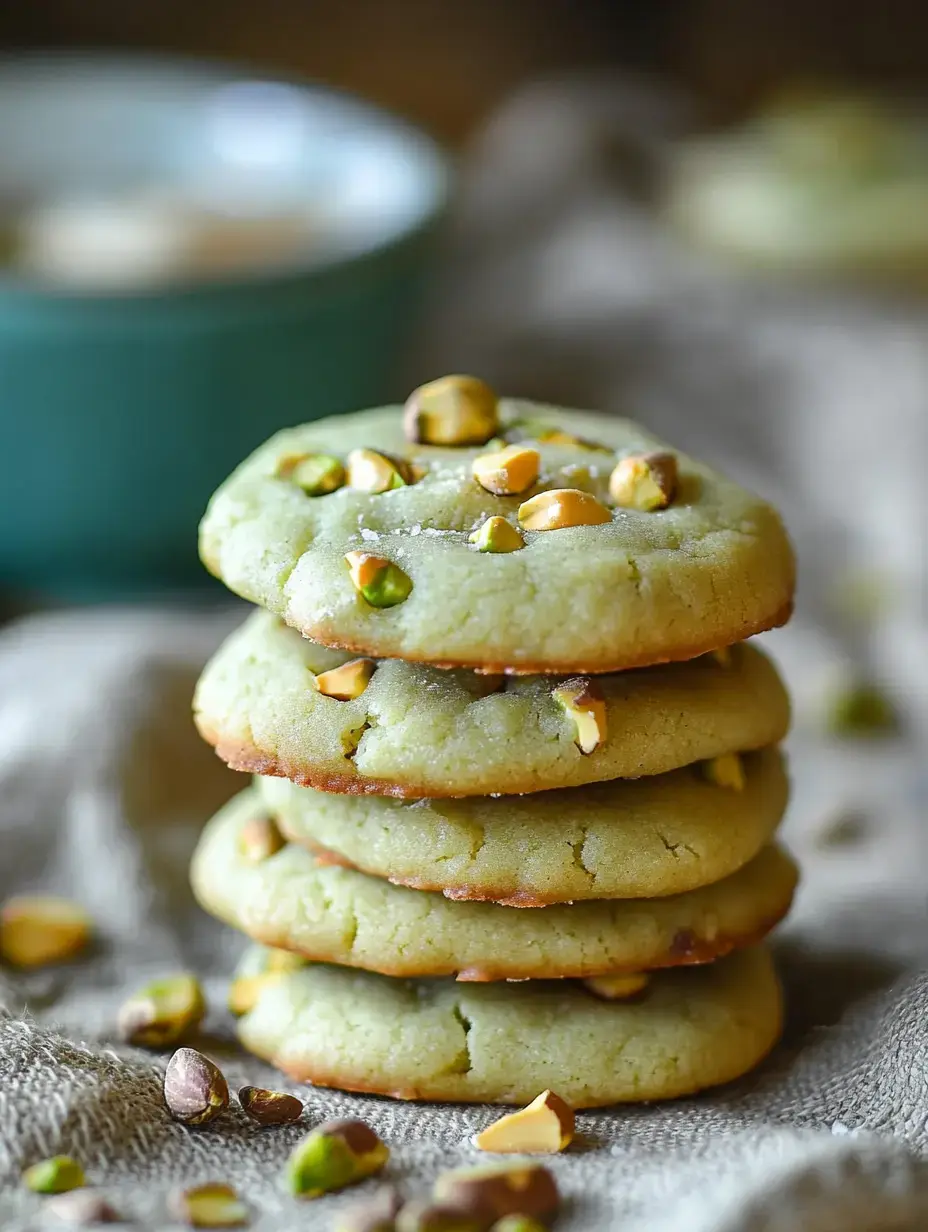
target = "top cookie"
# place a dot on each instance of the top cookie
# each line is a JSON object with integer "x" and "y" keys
{"x": 649, "y": 557}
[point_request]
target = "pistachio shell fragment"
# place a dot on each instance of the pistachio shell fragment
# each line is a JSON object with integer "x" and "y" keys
{"x": 425, "y": 1216}
{"x": 582, "y": 701}
{"x": 81, "y": 1208}
{"x": 260, "y": 839}
{"x": 510, "y": 471}
{"x": 523, "y": 1189}
{"x": 317, "y": 474}
{"x": 163, "y": 1012}
{"x": 559, "y": 508}
{"x": 544, "y": 1127}
{"x": 454, "y": 410}
{"x": 195, "y": 1089}
{"x": 346, "y": 682}
{"x": 369, "y": 471}
{"x": 335, "y": 1155}
{"x": 214, "y": 1205}
{"x": 270, "y": 1107}
{"x": 617, "y": 987}
{"x": 55, "y": 1175}
{"x": 36, "y": 931}
{"x": 645, "y": 481}
{"x": 497, "y": 535}
{"x": 377, "y": 1214}
{"x": 726, "y": 770}
{"x": 379, "y": 581}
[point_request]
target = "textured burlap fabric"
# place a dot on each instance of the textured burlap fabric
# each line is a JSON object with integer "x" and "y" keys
{"x": 104, "y": 784}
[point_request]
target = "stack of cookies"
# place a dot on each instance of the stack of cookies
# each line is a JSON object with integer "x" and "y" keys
{"x": 517, "y": 778}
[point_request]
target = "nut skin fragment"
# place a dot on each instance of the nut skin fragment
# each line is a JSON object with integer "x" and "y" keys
{"x": 214, "y": 1205}
{"x": 336, "y": 1154}
{"x": 582, "y": 701}
{"x": 559, "y": 508}
{"x": 81, "y": 1208}
{"x": 454, "y": 410}
{"x": 195, "y": 1090}
{"x": 425, "y": 1216}
{"x": 162, "y": 1013}
{"x": 379, "y": 581}
{"x": 270, "y": 1107}
{"x": 56, "y": 1175}
{"x": 496, "y": 535}
{"x": 522, "y": 1189}
{"x": 377, "y": 1214}
{"x": 726, "y": 770}
{"x": 509, "y": 472}
{"x": 617, "y": 987}
{"x": 543, "y": 1127}
{"x": 346, "y": 682}
{"x": 370, "y": 471}
{"x": 36, "y": 931}
{"x": 645, "y": 481}
{"x": 317, "y": 474}
{"x": 260, "y": 839}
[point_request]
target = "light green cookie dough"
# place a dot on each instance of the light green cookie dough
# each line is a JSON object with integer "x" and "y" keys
{"x": 503, "y": 1043}
{"x": 332, "y": 914}
{"x": 626, "y": 839}
{"x": 645, "y": 587}
{"x": 421, "y": 731}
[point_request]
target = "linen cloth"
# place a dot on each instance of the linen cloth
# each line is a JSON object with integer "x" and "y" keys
{"x": 557, "y": 282}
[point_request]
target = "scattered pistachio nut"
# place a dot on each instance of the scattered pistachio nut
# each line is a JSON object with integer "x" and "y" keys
{"x": 559, "y": 508}
{"x": 336, "y": 1154}
{"x": 213, "y": 1205}
{"x": 645, "y": 481}
{"x": 379, "y": 581}
{"x": 54, "y": 1176}
{"x": 317, "y": 474}
{"x": 583, "y": 703}
{"x": 454, "y": 410}
{"x": 370, "y": 471}
{"x": 497, "y": 535}
{"x": 163, "y": 1012}
{"x": 424, "y": 1216}
{"x": 510, "y": 471}
{"x": 377, "y": 1214}
{"x": 544, "y": 1127}
{"x": 726, "y": 770}
{"x": 36, "y": 931}
{"x": 81, "y": 1208}
{"x": 347, "y": 681}
{"x": 195, "y": 1089}
{"x": 270, "y": 1107}
{"x": 518, "y": 1223}
{"x": 260, "y": 838}
{"x": 617, "y": 987}
{"x": 861, "y": 709}
{"x": 556, "y": 436}
{"x": 497, "y": 1191}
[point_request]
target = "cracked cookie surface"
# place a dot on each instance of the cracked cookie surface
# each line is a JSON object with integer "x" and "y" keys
{"x": 645, "y": 587}
{"x": 332, "y": 914}
{"x": 420, "y": 731}
{"x": 626, "y": 839}
{"x": 503, "y": 1043}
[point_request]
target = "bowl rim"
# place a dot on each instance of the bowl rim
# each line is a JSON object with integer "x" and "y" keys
{"x": 434, "y": 162}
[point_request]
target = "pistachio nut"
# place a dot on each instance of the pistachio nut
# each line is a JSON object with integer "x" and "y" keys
{"x": 726, "y": 770}
{"x": 81, "y": 1208}
{"x": 544, "y": 1127}
{"x": 645, "y": 481}
{"x": 510, "y": 471}
{"x": 36, "y": 931}
{"x": 377, "y": 1214}
{"x": 425, "y": 1216}
{"x": 861, "y": 709}
{"x": 559, "y": 508}
{"x": 270, "y": 1107}
{"x": 195, "y": 1090}
{"x": 347, "y": 681}
{"x": 214, "y": 1205}
{"x": 55, "y": 1175}
{"x": 556, "y": 436}
{"x": 497, "y": 535}
{"x": 454, "y": 410}
{"x": 370, "y": 471}
{"x": 163, "y": 1012}
{"x": 497, "y": 1191}
{"x": 334, "y": 1155}
{"x": 379, "y": 581}
{"x": 260, "y": 967}
{"x": 245, "y": 990}
{"x": 259, "y": 839}
{"x": 582, "y": 702}
{"x": 518, "y": 1223}
{"x": 722, "y": 656}
{"x": 617, "y": 987}
{"x": 317, "y": 474}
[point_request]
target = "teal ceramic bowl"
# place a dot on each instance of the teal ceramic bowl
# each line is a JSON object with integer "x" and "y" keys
{"x": 121, "y": 410}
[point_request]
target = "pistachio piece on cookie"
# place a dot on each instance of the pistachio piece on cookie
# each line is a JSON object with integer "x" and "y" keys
{"x": 260, "y": 839}
{"x": 379, "y": 581}
{"x": 497, "y": 535}
{"x": 726, "y": 770}
{"x": 582, "y": 701}
{"x": 370, "y": 471}
{"x": 317, "y": 474}
{"x": 509, "y": 471}
{"x": 454, "y": 410}
{"x": 617, "y": 987}
{"x": 559, "y": 508}
{"x": 645, "y": 481}
{"x": 347, "y": 681}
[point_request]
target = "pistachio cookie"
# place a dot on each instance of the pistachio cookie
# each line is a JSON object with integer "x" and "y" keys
{"x": 273, "y": 702}
{"x": 501, "y": 535}
{"x": 285, "y": 899}
{"x": 627, "y": 839}
{"x": 503, "y": 1043}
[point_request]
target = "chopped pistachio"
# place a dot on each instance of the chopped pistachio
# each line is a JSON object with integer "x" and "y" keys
{"x": 374, "y": 472}
{"x": 582, "y": 702}
{"x": 862, "y": 709}
{"x": 544, "y": 1127}
{"x": 81, "y": 1208}
{"x": 347, "y": 681}
{"x": 317, "y": 474}
{"x": 644, "y": 481}
{"x": 454, "y": 410}
{"x": 36, "y": 931}
{"x": 336, "y": 1154}
{"x": 55, "y": 1175}
{"x": 516, "y": 1189}
{"x": 617, "y": 987}
{"x": 424, "y": 1216}
{"x": 726, "y": 770}
{"x": 509, "y": 472}
{"x": 559, "y": 508}
{"x": 163, "y": 1012}
{"x": 270, "y": 1107}
{"x": 379, "y": 581}
{"x": 497, "y": 535}
{"x": 214, "y": 1205}
{"x": 259, "y": 839}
